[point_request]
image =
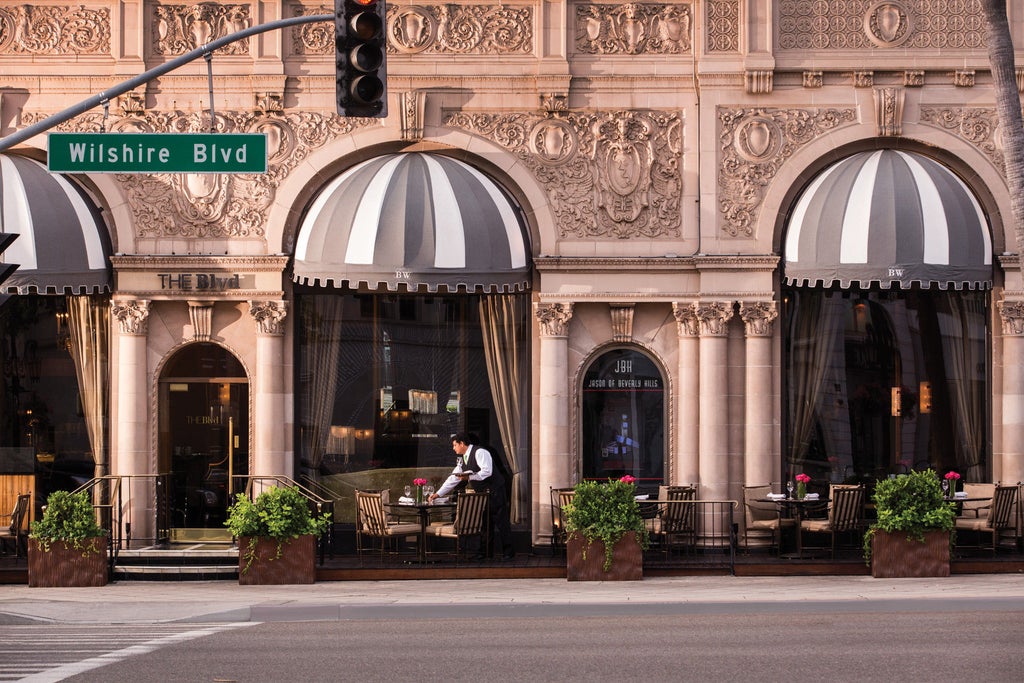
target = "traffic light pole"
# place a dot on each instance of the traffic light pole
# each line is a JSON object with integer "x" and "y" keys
{"x": 107, "y": 95}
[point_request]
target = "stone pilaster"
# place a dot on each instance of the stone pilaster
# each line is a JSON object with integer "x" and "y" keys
{"x": 1011, "y": 469}
{"x": 553, "y": 458}
{"x": 713, "y": 318}
{"x": 269, "y": 390}
{"x": 686, "y": 466}
{"x": 759, "y": 429}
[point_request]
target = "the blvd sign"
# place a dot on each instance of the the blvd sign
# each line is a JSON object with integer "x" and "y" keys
{"x": 157, "y": 152}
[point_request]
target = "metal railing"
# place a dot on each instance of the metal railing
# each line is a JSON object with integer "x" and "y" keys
{"x": 698, "y": 533}
{"x": 318, "y": 504}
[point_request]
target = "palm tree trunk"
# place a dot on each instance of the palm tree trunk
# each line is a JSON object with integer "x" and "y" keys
{"x": 1000, "y": 55}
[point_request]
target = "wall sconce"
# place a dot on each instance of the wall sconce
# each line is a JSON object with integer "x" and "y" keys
{"x": 63, "y": 332}
{"x": 364, "y": 434}
{"x": 341, "y": 440}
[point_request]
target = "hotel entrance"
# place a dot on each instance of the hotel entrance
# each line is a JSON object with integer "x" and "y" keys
{"x": 203, "y": 440}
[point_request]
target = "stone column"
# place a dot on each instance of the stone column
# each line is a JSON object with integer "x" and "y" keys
{"x": 131, "y": 456}
{"x": 553, "y": 457}
{"x": 1011, "y": 468}
{"x": 686, "y": 465}
{"x": 713, "y": 318}
{"x": 759, "y": 429}
{"x": 268, "y": 391}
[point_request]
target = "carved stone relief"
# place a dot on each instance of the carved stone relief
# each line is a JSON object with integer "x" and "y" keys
{"x": 633, "y": 28}
{"x": 754, "y": 144}
{"x": 865, "y": 24}
{"x": 178, "y": 29}
{"x": 758, "y": 317}
{"x": 976, "y": 125}
{"x": 200, "y": 315}
{"x": 607, "y": 174}
{"x": 723, "y": 25}
{"x": 713, "y": 317}
{"x": 622, "y": 321}
{"x": 57, "y": 30}
{"x": 889, "y": 110}
{"x": 215, "y": 205}
{"x": 269, "y": 316}
{"x": 434, "y": 29}
{"x": 1011, "y": 313}
{"x": 132, "y": 315}
{"x": 686, "y": 319}
{"x": 553, "y": 318}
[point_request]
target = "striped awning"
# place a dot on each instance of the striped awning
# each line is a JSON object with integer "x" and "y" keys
{"x": 888, "y": 218}
{"x": 63, "y": 246}
{"x": 417, "y": 220}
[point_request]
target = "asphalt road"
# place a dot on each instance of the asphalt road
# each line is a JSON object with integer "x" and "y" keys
{"x": 827, "y": 641}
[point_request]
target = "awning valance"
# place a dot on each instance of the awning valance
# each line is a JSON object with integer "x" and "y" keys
{"x": 413, "y": 219}
{"x": 888, "y": 218}
{"x": 63, "y": 245}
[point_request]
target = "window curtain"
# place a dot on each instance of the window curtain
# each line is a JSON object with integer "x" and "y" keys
{"x": 813, "y": 341}
{"x": 504, "y": 345}
{"x": 89, "y": 346}
{"x": 322, "y": 318}
{"x": 963, "y": 353}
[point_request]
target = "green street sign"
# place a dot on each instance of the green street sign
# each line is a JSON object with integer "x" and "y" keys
{"x": 157, "y": 152}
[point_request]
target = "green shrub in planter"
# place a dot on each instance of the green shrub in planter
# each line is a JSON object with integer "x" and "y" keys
{"x": 280, "y": 513}
{"x": 912, "y": 503}
{"x": 68, "y": 517}
{"x": 605, "y": 512}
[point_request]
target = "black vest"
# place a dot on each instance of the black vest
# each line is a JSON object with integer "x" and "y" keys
{"x": 495, "y": 481}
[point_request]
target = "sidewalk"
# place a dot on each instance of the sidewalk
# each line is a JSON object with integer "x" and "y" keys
{"x": 220, "y": 601}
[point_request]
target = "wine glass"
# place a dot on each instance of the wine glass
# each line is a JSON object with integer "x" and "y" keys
{"x": 408, "y": 491}
{"x": 428, "y": 491}
{"x": 945, "y": 488}
{"x": 789, "y": 489}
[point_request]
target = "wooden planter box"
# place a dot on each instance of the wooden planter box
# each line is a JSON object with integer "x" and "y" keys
{"x": 297, "y": 563}
{"x": 64, "y": 566}
{"x": 627, "y": 559}
{"x": 894, "y": 555}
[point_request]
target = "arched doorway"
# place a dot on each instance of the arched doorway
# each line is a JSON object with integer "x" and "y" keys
{"x": 203, "y": 437}
{"x": 623, "y": 419}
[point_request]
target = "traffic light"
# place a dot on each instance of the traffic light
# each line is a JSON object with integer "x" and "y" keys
{"x": 6, "y": 268}
{"x": 361, "y": 55}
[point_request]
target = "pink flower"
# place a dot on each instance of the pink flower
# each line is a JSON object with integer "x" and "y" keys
{"x": 952, "y": 476}
{"x": 419, "y": 482}
{"x": 803, "y": 478}
{"x": 628, "y": 479}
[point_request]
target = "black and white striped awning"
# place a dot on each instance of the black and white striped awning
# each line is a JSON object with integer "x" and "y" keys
{"x": 417, "y": 220}
{"x": 63, "y": 246}
{"x": 888, "y": 218}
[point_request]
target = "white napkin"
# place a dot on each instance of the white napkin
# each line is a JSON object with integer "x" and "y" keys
{"x": 442, "y": 499}
{"x": 405, "y": 500}
{"x": 960, "y": 494}
{"x": 643, "y": 497}
{"x": 811, "y": 496}
{"x": 776, "y": 496}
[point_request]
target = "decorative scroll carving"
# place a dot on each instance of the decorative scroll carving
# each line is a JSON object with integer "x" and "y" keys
{"x": 622, "y": 322}
{"x": 132, "y": 315}
{"x": 39, "y": 30}
{"x": 1011, "y": 313}
{"x": 963, "y": 78}
{"x": 862, "y": 24}
{"x": 723, "y": 25}
{"x": 758, "y": 317}
{"x": 913, "y": 78}
{"x": 411, "y": 113}
{"x": 553, "y": 318}
{"x": 633, "y": 28}
{"x": 713, "y": 317}
{"x": 200, "y": 314}
{"x": 813, "y": 79}
{"x": 178, "y": 29}
{"x": 687, "y": 324}
{"x": 754, "y": 144}
{"x": 551, "y": 102}
{"x": 269, "y": 316}
{"x": 863, "y": 79}
{"x": 312, "y": 39}
{"x": 269, "y": 103}
{"x": 758, "y": 81}
{"x": 976, "y": 125}
{"x": 889, "y": 110}
{"x": 216, "y": 205}
{"x": 133, "y": 104}
{"x": 607, "y": 174}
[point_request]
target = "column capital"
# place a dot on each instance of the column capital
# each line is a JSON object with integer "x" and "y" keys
{"x": 758, "y": 317}
{"x": 132, "y": 315}
{"x": 685, "y": 314}
{"x": 269, "y": 316}
{"x": 553, "y": 318}
{"x": 713, "y": 317}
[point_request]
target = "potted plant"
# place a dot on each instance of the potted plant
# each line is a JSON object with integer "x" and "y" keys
{"x": 912, "y": 534}
{"x": 276, "y": 536}
{"x": 606, "y": 534}
{"x": 67, "y": 547}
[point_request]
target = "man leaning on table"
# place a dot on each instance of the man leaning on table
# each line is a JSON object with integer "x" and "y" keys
{"x": 475, "y": 466}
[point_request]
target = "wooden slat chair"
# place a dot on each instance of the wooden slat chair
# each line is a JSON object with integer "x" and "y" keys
{"x": 372, "y": 523}
{"x": 845, "y": 515}
{"x": 976, "y": 509}
{"x": 16, "y": 532}
{"x": 675, "y": 525}
{"x": 471, "y": 521}
{"x": 559, "y": 499}
{"x": 999, "y": 520}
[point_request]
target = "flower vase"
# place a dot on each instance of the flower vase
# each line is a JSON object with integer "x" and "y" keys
{"x": 419, "y": 495}
{"x": 801, "y": 490}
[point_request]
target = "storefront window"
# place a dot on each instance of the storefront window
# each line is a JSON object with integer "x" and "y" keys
{"x": 884, "y": 381}
{"x": 623, "y": 419}
{"x": 383, "y": 380}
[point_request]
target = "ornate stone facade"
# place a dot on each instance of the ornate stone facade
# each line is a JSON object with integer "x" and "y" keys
{"x": 633, "y": 28}
{"x": 177, "y": 29}
{"x": 54, "y": 30}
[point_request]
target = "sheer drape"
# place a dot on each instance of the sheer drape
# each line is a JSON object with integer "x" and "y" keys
{"x": 813, "y": 342}
{"x": 89, "y": 346}
{"x": 962, "y": 353}
{"x": 500, "y": 321}
{"x": 322, "y": 318}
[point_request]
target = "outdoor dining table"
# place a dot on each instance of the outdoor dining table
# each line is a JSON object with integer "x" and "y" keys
{"x": 423, "y": 510}
{"x": 794, "y": 509}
